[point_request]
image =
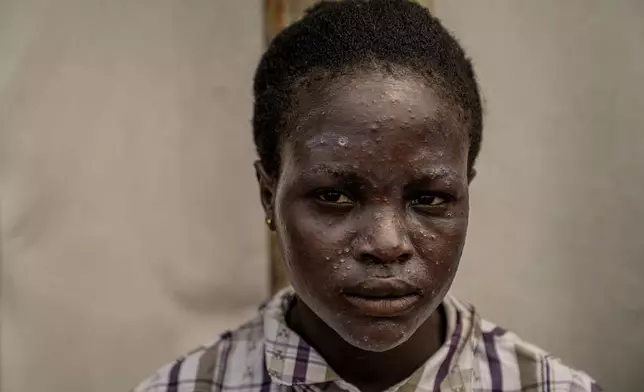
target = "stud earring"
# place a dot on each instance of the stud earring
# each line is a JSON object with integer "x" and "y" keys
{"x": 269, "y": 222}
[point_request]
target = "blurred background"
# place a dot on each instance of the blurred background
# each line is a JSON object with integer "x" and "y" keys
{"x": 131, "y": 227}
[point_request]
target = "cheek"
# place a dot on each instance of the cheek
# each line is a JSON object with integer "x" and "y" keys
{"x": 440, "y": 245}
{"x": 312, "y": 246}
{"x": 451, "y": 237}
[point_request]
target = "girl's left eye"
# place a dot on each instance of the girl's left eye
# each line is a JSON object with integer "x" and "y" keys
{"x": 334, "y": 197}
{"x": 428, "y": 200}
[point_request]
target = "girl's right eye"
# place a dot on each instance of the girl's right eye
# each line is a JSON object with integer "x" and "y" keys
{"x": 334, "y": 197}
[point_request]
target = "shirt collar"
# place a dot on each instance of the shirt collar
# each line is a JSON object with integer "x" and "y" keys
{"x": 292, "y": 361}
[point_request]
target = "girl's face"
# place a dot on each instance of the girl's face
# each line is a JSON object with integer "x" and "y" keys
{"x": 371, "y": 205}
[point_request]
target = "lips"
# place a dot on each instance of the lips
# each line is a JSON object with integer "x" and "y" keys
{"x": 382, "y": 297}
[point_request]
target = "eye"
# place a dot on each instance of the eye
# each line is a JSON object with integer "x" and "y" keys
{"x": 334, "y": 197}
{"x": 429, "y": 200}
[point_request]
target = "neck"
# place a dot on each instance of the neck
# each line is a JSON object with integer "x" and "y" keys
{"x": 369, "y": 370}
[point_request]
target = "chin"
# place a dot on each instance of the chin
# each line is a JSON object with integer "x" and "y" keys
{"x": 376, "y": 335}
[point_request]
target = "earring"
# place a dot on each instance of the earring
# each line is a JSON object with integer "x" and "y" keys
{"x": 269, "y": 222}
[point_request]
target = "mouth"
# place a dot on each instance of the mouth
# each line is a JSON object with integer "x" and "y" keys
{"x": 383, "y": 297}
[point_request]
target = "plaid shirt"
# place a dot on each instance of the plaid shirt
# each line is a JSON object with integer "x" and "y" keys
{"x": 266, "y": 355}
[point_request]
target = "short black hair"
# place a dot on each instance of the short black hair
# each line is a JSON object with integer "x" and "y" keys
{"x": 337, "y": 37}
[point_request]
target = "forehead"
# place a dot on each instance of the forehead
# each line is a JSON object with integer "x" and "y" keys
{"x": 373, "y": 120}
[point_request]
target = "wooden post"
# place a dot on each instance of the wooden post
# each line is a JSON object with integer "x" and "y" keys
{"x": 277, "y": 15}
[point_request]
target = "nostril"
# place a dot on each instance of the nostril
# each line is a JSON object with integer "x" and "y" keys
{"x": 367, "y": 258}
{"x": 371, "y": 258}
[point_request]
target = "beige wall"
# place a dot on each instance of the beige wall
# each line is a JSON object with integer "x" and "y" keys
{"x": 131, "y": 226}
{"x": 131, "y": 229}
{"x": 556, "y": 242}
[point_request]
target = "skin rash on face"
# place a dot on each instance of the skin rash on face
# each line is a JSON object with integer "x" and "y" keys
{"x": 371, "y": 211}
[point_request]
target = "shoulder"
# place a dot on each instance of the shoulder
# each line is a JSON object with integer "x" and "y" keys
{"x": 234, "y": 358}
{"x": 507, "y": 362}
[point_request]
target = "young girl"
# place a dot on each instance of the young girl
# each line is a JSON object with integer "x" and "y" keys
{"x": 367, "y": 123}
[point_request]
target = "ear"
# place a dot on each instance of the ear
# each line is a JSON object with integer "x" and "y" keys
{"x": 266, "y": 193}
{"x": 471, "y": 175}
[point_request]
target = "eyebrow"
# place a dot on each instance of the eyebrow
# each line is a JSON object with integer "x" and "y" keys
{"x": 335, "y": 171}
{"x": 438, "y": 173}
{"x": 425, "y": 174}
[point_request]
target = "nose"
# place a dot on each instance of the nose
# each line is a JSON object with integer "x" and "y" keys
{"x": 385, "y": 240}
